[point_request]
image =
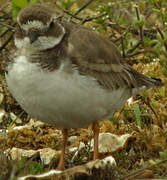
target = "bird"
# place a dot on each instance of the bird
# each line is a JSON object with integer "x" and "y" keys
{"x": 67, "y": 75}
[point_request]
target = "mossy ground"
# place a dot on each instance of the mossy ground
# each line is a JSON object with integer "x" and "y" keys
{"x": 146, "y": 116}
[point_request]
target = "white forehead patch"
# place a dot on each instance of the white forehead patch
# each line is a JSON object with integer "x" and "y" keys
{"x": 42, "y": 43}
{"x": 35, "y": 24}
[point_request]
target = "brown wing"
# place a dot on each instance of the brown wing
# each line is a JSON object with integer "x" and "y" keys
{"x": 96, "y": 56}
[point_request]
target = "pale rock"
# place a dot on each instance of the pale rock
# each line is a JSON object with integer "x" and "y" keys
{"x": 21, "y": 127}
{"x": 109, "y": 142}
{"x": 18, "y": 153}
{"x": 72, "y": 139}
{"x": 108, "y": 161}
{"x": 35, "y": 123}
{"x": 32, "y": 123}
{"x": 43, "y": 175}
{"x": 1, "y": 98}
{"x": 74, "y": 171}
{"x": 47, "y": 155}
{"x": 81, "y": 145}
{"x": 72, "y": 149}
{"x": 2, "y": 114}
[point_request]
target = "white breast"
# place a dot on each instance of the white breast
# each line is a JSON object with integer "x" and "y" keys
{"x": 60, "y": 98}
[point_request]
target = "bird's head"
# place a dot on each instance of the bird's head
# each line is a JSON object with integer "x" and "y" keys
{"x": 38, "y": 29}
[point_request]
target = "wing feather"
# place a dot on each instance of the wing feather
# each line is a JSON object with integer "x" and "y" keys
{"x": 98, "y": 57}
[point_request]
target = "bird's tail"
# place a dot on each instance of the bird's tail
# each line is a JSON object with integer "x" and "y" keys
{"x": 143, "y": 82}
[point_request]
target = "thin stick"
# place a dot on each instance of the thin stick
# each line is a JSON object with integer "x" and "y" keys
{"x": 29, "y": 160}
{"x": 79, "y": 18}
{"x": 61, "y": 160}
{"x": 92, "y": 18}
{"x": 67, "y": 12}
{"x": 133, "y": 48}
{"x": 5, "y": 5}
{"x": 136, "y": 53}
{"x": 95, "y": 128}
{"x": 138, "y": 18}
{"x": 123, "y": 49}
{"x": 83, "y": 7}
{"x": 8, "y": 26}
{"x": 136, "y": 172}
{"x": 122, "y": 35}
{"x": 3, "y": 34}
{"x": 162, "y": 35}
{"x": 6, "y": 42}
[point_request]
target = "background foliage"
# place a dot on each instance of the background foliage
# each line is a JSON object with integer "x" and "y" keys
{"x": 138, "y": 28}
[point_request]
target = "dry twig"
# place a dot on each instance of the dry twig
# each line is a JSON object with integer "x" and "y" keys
{"x": 5, "y": 5}
{"x": 6, "y": 42}
{"x": 162, "y": 36}
{"x": 138, "y": 18}
{"x": 138, "y": 171}
{"x": 83, "y": 7}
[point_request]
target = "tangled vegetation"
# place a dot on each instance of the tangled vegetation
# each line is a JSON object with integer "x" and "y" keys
{"x": 138, "y": 28}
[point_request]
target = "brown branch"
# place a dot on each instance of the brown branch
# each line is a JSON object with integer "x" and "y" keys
{"x": 148, "y": 33}
{"x": 6, "y": 42}
{"x": 123, "y": 49}
{"x": 5, "y": 16}
{"x": 138, "y": 18}
{"x": 8, "y": 26}
{"x": 162, "y": 36}
{"x": 5, "y": 5}
{"x": 147, "y": 102}
{"x": 138, "y": 171}
{"x": 83, "y": 7}
{"x": 122, "y": 35}
{"x": 140, "y": 52}
{"x": 3, "y": 34}
{"x": 79, "y": 18}
{"x": 133, "y": 48}
{"x": 67, "y": 12}
{"x": 136, "y": 53}
{"x": 93, "y": 18}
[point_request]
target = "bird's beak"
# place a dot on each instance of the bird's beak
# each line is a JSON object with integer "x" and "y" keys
{"x": 33, "y": 35}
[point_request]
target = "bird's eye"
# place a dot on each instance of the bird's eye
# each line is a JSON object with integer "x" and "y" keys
{"x": 52, "y": 24}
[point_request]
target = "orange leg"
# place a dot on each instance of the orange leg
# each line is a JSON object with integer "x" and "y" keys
{"x": 95, "y": 129}
{"x": 61, "y": 161}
